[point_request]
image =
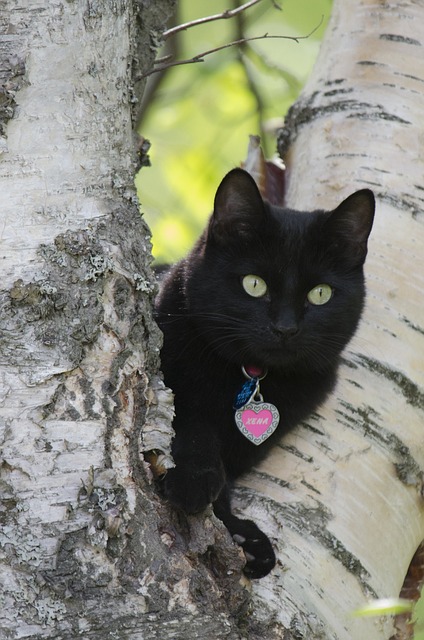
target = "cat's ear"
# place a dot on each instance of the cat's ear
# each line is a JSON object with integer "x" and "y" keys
{"x": 350, "y": 225}
{"x": 238, "y": 208}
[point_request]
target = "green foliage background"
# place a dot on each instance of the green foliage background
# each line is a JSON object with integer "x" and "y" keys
{"x": 418, "y": 618}
{"x": 202, "y": 114}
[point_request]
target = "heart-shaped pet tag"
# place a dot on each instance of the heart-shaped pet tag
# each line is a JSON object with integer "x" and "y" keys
{"x": 257, "y": 420}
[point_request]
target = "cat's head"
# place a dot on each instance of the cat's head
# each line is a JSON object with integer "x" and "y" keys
{"x": 276, "y": 287}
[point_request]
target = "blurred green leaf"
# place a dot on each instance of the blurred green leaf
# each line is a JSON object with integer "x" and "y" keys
{"x": 385, "y": 607}
{"x": 202, "y": 115}
{"x": 418, "y": 618}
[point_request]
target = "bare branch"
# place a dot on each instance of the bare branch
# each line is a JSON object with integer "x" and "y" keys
{"x": 228, "y": 13}
{"x": 201, "y": 56}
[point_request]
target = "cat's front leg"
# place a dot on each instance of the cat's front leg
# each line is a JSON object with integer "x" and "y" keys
{"x": 257, "y": 548}
{"x": 196, "y": 480}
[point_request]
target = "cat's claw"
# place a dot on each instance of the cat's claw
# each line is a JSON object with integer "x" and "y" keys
{"x": 258, "y": 551}
{"x": 260, "y": 558}
{"x": 238, "y": 539}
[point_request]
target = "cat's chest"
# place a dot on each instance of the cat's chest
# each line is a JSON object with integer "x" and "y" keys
{"x": 211, "y": 395}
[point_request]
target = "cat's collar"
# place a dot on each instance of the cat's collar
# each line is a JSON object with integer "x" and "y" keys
{"x": 251, "y": 371}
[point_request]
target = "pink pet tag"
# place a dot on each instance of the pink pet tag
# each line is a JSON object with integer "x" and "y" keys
{"x": 255, "y": 419}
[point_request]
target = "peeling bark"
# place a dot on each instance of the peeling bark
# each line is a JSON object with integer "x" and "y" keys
{"x": 87, "y": 549}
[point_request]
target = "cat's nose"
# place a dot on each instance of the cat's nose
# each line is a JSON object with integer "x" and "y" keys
{"x": 285, "y": 324}
{"x": 286, "y": 330}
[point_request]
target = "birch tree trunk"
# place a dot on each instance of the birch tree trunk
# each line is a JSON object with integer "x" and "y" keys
{"x": 86, "y": 548}
{"x": 343, "y": 495}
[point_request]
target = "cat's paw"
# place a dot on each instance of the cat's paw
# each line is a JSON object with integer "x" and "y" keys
{"x": 260, "y": 556}
{"x": 190, "y": 488}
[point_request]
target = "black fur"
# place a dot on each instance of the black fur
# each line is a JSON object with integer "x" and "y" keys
{"x": 212, "y": 327}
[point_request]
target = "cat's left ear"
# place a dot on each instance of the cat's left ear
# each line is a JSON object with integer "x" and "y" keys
{"x": 351, "y": 224}
{"x": 238, "y": 208}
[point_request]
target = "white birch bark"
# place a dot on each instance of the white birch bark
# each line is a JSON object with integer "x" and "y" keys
{"x": 343, "y": 496}
{"x": 86, "y": 548}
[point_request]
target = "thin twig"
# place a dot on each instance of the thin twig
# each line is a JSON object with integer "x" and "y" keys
{"x": 228, "y": 13}
{"x": 200, "y": 56}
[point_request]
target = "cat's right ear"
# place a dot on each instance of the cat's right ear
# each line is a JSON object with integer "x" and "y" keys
{"x": 238, "y": 208}
{"x": 350, "y": 224}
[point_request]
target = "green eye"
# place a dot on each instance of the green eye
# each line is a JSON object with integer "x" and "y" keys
{"x": 320, "y": 294}
{"x": 254, "y": 286}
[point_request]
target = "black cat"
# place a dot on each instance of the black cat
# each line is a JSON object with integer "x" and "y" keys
{"x": 267, "y": 296}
